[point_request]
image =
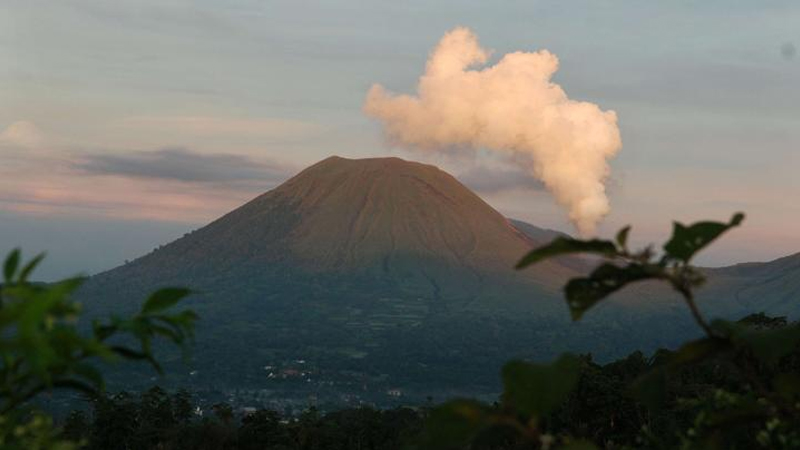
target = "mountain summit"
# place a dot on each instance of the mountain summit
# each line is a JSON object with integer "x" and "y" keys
{"x": 357, "y": 213}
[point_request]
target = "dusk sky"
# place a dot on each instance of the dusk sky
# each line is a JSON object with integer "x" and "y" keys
{"x": 125, "y": 124}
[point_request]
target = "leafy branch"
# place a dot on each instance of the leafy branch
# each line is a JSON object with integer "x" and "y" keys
{"x": 42, "y": 347}
{"x": 623, "y": 266}
{"x": 753, "y": 351}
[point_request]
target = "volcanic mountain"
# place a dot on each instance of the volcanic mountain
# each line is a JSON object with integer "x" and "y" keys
{"x": 375, "y": 273}
{"x": 386, "y": 220}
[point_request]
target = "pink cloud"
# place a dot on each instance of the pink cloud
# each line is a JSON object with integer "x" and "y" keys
{"x": 53, "y": 182}
{"x": 22, "y": 134}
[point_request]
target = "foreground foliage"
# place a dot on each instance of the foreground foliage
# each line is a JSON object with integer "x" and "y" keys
{"x": 43, "y": 348}
{"x": 158, "y": 420}
{"x": 598, "y": 411}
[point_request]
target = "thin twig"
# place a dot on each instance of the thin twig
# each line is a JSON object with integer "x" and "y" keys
{"x": 689, "y": 297}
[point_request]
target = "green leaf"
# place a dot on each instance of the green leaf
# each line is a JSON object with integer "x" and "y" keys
{"x": 46, "y": 347}
{"x": 128, "y": 353}
{"x": 88, "y": 372}
{"x": 163, "y": 299}
{"x": 686, "y": 241}
{"x": 167, "y": 332}
{"x": 28, "y": 269}
{"x": 10, "y": 266}
{"x": 454, "y": 424}
{"x": 184, "y": 320}
{"x": 622, "y": 236}
{"x": 537, "y": 389}
{"x": 563, "y": 246}
{"x": 583, "y": 293}
{"x": 64, "y": 288}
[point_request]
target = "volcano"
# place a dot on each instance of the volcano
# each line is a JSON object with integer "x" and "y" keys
{"x": 374, "y": 273}
{"x": 385, "y": 220}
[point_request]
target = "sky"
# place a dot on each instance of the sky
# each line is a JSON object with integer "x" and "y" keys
{"x": 125, "y": 124}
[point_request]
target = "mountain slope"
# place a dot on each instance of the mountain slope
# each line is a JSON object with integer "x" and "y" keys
{"x": 773, "y": 287}
{"x": 535, "y": 233}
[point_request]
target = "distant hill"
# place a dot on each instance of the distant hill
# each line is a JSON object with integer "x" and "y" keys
{"x": 535, "y": 233}
{"x": 772, "y": 286}
{"x": 377, "y": 273}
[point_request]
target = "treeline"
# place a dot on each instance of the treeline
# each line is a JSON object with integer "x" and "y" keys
{"x": 156, "y": 419}
{"x": 600, "y": 409}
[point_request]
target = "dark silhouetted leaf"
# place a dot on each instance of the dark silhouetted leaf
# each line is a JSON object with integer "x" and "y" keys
{"x": 163, "y": 299}
{"x": 563, "y": 246}
{"x": 129, "y": 353}
{"x": 686, "y": 241}
{"x": 90, "y": 373}
{"x": 10, "y": 265}
{"x": 536, "y": 389}
{"x": 622, "y": 236}
{"x": 583, "y": 293}
{"x": 28, "y": 269}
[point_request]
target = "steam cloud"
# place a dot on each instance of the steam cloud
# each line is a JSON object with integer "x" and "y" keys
{"x": 511, "y": 107}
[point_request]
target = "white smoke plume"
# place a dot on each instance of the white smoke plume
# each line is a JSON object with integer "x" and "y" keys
{"x": 511, "y": 107}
